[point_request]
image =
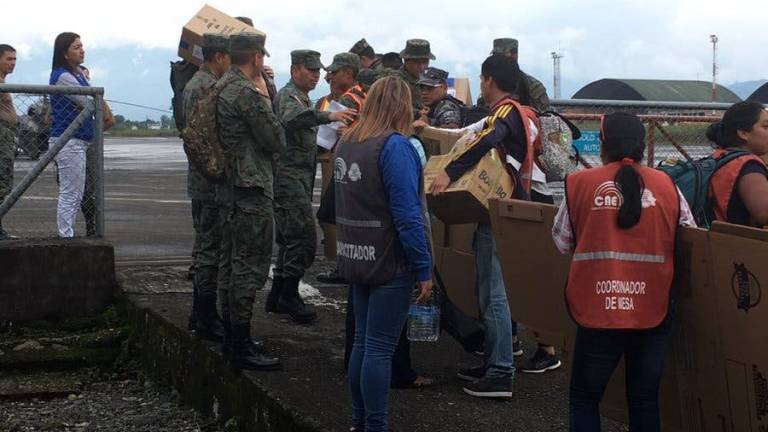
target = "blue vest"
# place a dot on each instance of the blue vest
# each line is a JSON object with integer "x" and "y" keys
{"x": 64, "y": 111}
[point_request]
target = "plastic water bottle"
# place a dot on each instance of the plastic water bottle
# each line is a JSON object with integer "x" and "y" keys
{"x": 424, "y": 320}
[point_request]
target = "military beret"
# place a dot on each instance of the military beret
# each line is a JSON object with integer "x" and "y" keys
{"x": 248, "y": 42}
{"x": 416, "y": 49}
{"x": 362, "y": 48}
{"x": 342, "y": 60}
{"x": 310, "y": 59}
{"x": 433, "y": 77}
{"x": 504, "y": 46}
{"x": 215, "y": 41}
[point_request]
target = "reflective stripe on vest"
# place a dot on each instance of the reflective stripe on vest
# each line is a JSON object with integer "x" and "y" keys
{"x": 723, "y": 181}
{"x": 620, "y": 278}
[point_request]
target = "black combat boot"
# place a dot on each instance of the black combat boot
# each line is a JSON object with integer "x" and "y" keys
{"x": 227, "y": 345}
{"x": 243, "y": 353}
{"x": 208, "y": 325}
{"x": 274, "y": 294}
{"x": 290, "y": 302}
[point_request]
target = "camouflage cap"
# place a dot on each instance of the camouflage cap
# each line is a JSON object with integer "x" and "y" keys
{"x": 504, "y": 46}
{"x": 362, "y": 48}
{"x": 345, "y": 60}
{"x": 367, "y": 77}
{"x": 433, "y": 77}
{"x": 416, "y": 49}
{"x": 248, "y": 42}
{"x": 215, "y": 41}
{"x": 310, "y": 59}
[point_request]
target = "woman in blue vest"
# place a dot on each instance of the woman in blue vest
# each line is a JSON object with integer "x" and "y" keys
{"x": 382, "y": 240}
{"x": 68, "y": 55}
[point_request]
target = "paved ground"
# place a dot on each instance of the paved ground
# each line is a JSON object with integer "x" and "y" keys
{"x": 147, "y": 209}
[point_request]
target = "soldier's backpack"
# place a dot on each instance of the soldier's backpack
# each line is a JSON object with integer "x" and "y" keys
{"x": 557, "y": 155}
{"x": 692, "y": 178}
{"x": 181, "y": 72}
{"x": 201, "y": 138}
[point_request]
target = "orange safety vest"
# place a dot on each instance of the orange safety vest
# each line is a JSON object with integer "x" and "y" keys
{"x": 724, "y": 180}
{"x": 324, "y": 103}
{"x": 357, "y": 94}
{"x": 620, "y": 278}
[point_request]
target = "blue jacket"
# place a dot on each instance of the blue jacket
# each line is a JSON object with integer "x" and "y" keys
{"x": 64, "y": 111}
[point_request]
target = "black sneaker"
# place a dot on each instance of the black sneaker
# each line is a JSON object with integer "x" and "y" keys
{"x": 490, "y": 388}
{"x": 471, "y": 374}
{"x": 541, "y": 362}
{"x": 517, "y": 348}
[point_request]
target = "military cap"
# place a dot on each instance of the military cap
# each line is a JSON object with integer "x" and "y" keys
{"x": 247, "y": 42}
{"x": 504, "y": 46}
{"x": 416, "y": 49}
{"x": 342, "y": 60}
{"x": 367, "y": 77}
{"x": 310, "y": 59}
{"x": 433, "y": 77}
{"x": 245, "y": 20}
{"x": 362, "y": 48}
{"x": 215, "y": 41}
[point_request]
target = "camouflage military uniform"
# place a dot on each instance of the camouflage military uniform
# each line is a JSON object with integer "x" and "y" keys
{"x": 251, "y": 137}
{"x": 202, "y": 192}
{"x": 7, "y": 150}
{"x": 415, "y": 49}
{"x": 446, "y": 111}
{"x": 296, "y": 235}
{"x": 415, "y": 93}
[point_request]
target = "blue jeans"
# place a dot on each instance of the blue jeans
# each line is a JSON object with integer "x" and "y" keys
{"x": 595, "y": 356}
{"x": 492, "y": 295}
{"x": 380, "y": 313}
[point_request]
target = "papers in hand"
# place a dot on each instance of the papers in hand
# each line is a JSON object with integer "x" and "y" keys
{"x": 327, "y": 134}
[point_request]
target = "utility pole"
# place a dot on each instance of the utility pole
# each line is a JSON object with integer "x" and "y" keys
{"x": 556, "y": 64}
{"x": 713, "y": 39}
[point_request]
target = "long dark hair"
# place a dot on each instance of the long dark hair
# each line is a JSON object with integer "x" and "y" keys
{"x": 623, "y": 140}
{"x": 740, "y": 116}
{"x": 60, "y": 48}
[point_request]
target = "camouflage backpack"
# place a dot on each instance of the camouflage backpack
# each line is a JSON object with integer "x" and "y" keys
{"x": 181, "y": 72}
{"x": 201, "y": 138}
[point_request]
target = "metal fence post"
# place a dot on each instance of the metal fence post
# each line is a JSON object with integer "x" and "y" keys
{"x": 98, "y": 141}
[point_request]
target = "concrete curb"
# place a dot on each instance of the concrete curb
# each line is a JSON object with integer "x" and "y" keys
{"x": 197, "y": 370}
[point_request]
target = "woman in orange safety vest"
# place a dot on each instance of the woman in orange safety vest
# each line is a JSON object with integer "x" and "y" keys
{"x": 619, "y": 221}
{"x": 739, "y": 189}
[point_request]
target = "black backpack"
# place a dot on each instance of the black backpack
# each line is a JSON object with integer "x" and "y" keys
{"x": 181, "y": 72}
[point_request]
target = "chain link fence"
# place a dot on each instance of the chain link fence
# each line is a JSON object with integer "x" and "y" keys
{"x": 51, "y": 161}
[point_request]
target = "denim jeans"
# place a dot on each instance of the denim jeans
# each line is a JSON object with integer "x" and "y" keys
{"x": 380, "y": 313}
{"x": 492, "y": 295}
{"x": 596, "y": 354}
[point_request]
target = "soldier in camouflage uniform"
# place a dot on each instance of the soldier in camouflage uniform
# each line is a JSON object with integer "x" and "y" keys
{"x": 537, "y": 93}
{"x": 416, "y": 57}
{"x": 445, "y": 111}
{"x": 8, "y": 127}
{"x": 344, "y": 71}
{"x": 205, "y": 212}
{"x": 294, "y": 184}
{"x": 252, "y": 139}
{"x": 371, "y": 67}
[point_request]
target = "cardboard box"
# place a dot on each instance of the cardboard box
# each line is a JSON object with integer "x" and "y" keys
{"x": 739, "y": 256}
{"x": 459, "y": 88}
{"x": 466, "y": 200}
{"x": 457, "y": 270}
{"x": 207, "y": 20}
{"x": 460, "y": 237}
{"x": 439, "y": 234}
{"x": 438, "y": 141}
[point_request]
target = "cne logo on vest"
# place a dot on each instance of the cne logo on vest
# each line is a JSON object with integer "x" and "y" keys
{"x": 340, "y": 170}
{"x": 608, "y": 197}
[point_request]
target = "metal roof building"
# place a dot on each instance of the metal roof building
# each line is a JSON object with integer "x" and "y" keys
{"x": 760, "y": 95}
{"x": 654, "y": 90}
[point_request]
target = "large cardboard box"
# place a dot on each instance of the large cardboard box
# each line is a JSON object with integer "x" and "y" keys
{"x": 466, "y": 199}
{"x": 739, "y": 257}
{"x": 459, "y": 88}
{"x": 461, "y": 236}
{"x": 207, "y": 20}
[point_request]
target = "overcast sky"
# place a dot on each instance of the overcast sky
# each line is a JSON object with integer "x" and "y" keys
{"x": 129, "y": 44}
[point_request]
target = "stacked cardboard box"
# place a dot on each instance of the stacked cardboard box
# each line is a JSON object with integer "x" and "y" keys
{"x": 207, "y": 20}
